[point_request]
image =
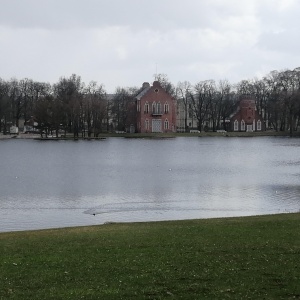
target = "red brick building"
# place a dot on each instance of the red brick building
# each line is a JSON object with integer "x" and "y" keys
{"x": 155, "y": 110}
{"x": 246, "y": 117}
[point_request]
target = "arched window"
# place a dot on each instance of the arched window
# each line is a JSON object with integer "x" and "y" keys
{"x": 166, "y": 124}
{"x": 158, "y": 108}
{"x": 154, "y": 107}
{"x": 243, "y": 128}
{"x": 259, "y": 125}
{"x": 236, "y": 125}
{"x": 146, "y": 109}
{"x": 166, "y": 108}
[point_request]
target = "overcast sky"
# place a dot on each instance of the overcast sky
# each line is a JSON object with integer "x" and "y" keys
{"x": 124, "y": 42}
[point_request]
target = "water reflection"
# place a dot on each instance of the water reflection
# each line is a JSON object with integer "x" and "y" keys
{"x": 57, "y": 184}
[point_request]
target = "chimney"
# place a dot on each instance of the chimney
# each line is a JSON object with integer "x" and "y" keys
{"x": 145, "y": 85}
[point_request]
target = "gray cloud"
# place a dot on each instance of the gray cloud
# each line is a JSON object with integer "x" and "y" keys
{"x": 120, "y": 43}
{"x": 138, "y": 14}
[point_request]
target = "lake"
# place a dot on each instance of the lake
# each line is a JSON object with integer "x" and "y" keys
{"x": 49, "y": 184}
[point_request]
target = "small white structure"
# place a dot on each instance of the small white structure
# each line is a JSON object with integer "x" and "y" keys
{"x": 13, "y": 130}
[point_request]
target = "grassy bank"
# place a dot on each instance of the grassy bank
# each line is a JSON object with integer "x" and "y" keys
{"x": 234, "y": 258}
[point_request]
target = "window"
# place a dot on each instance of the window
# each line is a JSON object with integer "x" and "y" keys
{"x": 154, "y": 107}
{"x": 166, "y": 108}
{"x": 243, "y": 125}
{"x": 158, "y": 108}
{"x": 147, "y": 124}
{"x": 236, "y": 125}
{"x": 259, "y": 125}
{"x": 146, "y": 109}
{"x": 138, "y": 105}
{"x": 166, "y": 124}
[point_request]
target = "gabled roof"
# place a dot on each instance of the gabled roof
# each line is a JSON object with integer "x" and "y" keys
{"x": 237, "y": 109}
{"x": 143, "y": 92}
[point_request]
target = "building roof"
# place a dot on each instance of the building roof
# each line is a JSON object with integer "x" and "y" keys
{"x": 143, "y": 92}
{"x": 146, "y": 87}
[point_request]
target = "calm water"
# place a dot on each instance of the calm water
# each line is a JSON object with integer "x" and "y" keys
{"x": 63, "y": 183}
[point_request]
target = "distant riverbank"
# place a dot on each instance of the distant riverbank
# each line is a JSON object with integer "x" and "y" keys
{"x": 151, "y": 135}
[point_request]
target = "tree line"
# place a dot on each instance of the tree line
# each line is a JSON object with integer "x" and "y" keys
{"x": 74, "y": 107}
{"x": 277, "y": 97}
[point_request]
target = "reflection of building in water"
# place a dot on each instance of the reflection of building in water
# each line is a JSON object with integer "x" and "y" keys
{"x": 246, "y": 117}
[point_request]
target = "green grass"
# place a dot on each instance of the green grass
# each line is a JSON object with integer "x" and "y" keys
{"x": 231, "y": 258}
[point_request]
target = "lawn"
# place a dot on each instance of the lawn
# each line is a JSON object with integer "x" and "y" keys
{"x": 229, "y": 258}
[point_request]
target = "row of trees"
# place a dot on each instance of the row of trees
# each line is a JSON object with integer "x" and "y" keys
{"x": 68, "y": 105}
{"x": 207, "y": 102}
{"x": 72, "y": 106}
{"x": 277, "y": 100}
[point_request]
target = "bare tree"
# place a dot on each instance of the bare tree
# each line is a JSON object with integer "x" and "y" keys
{"x": 290, "y": 95}
{"x": 41, "y": 94}
{"x": 94, "y": 108}
{"x": 16, "y": 101}
{"x": 273, "y": 101}
{"x": 245, "y": 87}
{"x": 166, "y": 84}
{"x": 226, "y": 102}
{"x": 201, "y": 101}
{"x": 42, "y": 112}
{"x": 123, "y": 100}
{"x": 26, "y": 90}
{"x": 69, "y": 92}
{"x": 4, "y": 105}
{"x": 183, "y": 96}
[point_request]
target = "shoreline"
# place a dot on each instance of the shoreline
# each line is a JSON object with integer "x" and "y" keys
{"x": 133, "y": 223}
{"x": 103, "y": 136}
